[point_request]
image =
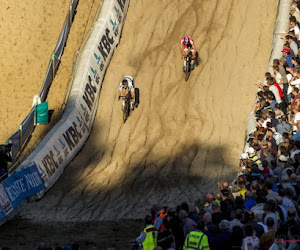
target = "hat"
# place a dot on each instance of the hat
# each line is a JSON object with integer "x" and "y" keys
{"x": 285, "y": 51}
{"x": 292, "y": 8}
{"x": 282, "y": 158}
{"x": 289, "y": 37}
{"x": 251, "y": 150}
{"x": 243, "y": 156}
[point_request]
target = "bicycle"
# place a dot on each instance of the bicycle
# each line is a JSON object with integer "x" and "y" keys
{"x": 126, "y": 108}
{"x": 188, "y": 65}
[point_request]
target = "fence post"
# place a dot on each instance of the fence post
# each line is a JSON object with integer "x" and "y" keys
{"x": 71, "y": 14}
{"x": 53, "y": 65}
{"x": 21, "y": 137}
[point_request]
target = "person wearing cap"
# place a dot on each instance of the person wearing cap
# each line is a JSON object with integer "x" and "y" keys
{"x": 243, "y": 162}
{"x": 253, "y": 157}
{"x": 288, "y": 58}
{"x": 196, "y": 239}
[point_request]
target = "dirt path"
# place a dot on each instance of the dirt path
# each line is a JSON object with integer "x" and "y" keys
{"x": 184, "y": 136}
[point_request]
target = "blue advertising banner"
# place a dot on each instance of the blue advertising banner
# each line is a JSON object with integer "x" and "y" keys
{"x": 23, "y": 184}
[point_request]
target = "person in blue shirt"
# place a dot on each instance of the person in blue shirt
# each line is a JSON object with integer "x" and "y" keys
{"x": 288, "y": 58}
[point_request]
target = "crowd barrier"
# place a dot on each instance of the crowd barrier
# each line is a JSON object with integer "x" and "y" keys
{"x": 67, "y": 137}
{"x": 22, "y": 136}
{"x": 281, "y": 25}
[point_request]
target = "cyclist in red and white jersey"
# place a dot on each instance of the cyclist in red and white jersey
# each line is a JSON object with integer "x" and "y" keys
{"x": 186, "y": 44}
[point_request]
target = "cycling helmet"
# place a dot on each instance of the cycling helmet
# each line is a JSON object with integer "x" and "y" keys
{"x": 124, "y": 82}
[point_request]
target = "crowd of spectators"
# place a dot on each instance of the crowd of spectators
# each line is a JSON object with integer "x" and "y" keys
{"x": 260, "y": 209}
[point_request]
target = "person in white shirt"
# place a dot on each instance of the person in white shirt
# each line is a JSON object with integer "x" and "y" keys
{"x": 274, "y": 90}
{"x": 278, "y": 76}
{"x": 295, "y": 28}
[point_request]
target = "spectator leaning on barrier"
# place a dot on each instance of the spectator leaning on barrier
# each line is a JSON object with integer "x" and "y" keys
{"x": 293, "y": 45}
{"x": 288, "y": 58}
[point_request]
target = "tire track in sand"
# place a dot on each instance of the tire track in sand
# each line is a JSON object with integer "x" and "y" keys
{"x": 184, "y": 136}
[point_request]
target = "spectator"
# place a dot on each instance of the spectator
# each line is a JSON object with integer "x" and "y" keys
{"x": 194, "y": 213}
{"x": 293, "y": 45}
{"x": 258, "y": 218}
{"x": 271, "y": 194}
{"x": 237, "y": 237}
{"x": 208, "y": 200}
{"x": 288, "y": 58}
{"x": 294, "y": 13}
{"x": 158, "y": 214}
{"x": 217, "y": 216}
{"x": 210, "y": 227}
{"x": 176, "y": 228}
{"x": 250, "y": 242}
{"x": 296, "y": 186}
{"x": 249, "y": 201}
{"x": 188, "y": 224}
{"x": 197, "y": 238}
{"x": 148, "y": 237}
{"x": 5, "y": 157}
{"x": 287, "y": 185}
{"x": 267, "y": 239}
{"x": 269, "y": 208}
{"x": 283, "y": 126}
{"x": 223, "y": 239}
{"x": 238, "y": 215}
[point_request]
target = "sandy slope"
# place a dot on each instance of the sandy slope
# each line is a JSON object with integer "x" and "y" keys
{"x": 184, "y": 136}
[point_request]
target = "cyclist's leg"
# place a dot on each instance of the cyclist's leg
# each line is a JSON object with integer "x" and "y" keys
{"x": 132, "y": 99}
{"x": 193, "y": 57}
{"x": 123, "y": 94}
{"x": 186, "y": 51}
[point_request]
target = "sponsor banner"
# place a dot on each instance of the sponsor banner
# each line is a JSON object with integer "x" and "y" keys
{"x": 104, "y": 42}
{"x": 68, "y": 136}
{"x": 21, "y": 185}
{"x": 61, "y": 148}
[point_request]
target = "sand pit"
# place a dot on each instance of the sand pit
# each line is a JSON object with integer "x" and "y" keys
{"x": 183, "y": 137}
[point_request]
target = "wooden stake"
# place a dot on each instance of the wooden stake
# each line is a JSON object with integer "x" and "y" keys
{"x": 53, "y": 65}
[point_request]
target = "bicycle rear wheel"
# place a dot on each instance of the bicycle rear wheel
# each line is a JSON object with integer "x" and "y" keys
{"x": 125, "y": 112}
{"x": 187, "y": 71}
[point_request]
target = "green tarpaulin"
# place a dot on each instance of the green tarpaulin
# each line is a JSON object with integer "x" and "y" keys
{"x": 42, "y": 113}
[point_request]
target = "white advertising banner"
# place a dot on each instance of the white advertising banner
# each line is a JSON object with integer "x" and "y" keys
{"x": 68, "y": 136}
